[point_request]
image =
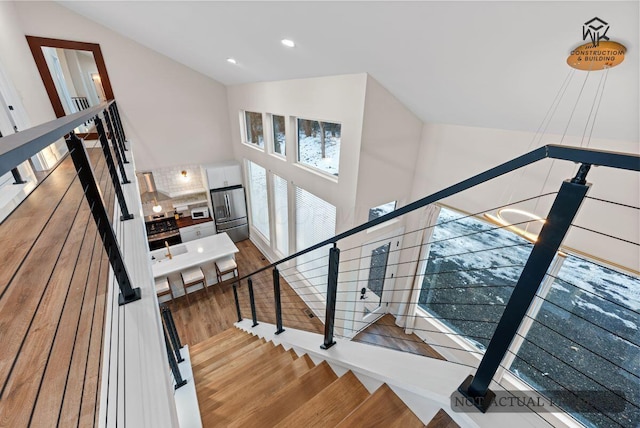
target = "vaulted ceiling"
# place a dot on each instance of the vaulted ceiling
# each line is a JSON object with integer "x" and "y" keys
{"x": 487, "y": 64}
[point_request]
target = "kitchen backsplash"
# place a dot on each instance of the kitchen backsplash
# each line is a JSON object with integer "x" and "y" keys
{"x": 169, "y": 180}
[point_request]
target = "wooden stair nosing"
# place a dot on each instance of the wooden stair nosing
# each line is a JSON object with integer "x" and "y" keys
{"x": 244, "y": 397}
{"x": 288, "y": 399}
{"x": 329, "y": 406}
{"x": 382, "y": 409}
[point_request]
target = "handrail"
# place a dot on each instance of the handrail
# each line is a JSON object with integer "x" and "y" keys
{"x": 18, "y": 147}
{"x": 593, "y": 157}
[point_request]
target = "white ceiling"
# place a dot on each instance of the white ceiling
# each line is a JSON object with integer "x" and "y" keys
{"x": 488, "y": 64}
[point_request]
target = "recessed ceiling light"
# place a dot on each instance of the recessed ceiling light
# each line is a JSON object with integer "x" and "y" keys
{"x": 288, "y": 43}
{"x": 232, "y": 61}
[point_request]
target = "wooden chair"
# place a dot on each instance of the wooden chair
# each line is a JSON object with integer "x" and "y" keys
{"x": 191, "y": 277}
{"x": 163, "y": 287}
{"x": 225, "y": 266}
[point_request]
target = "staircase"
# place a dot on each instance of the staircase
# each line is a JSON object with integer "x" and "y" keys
{"x": 244, "y": 381}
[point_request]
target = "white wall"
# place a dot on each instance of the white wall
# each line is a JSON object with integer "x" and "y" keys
{"x": 163, "y": 104}
{"x": 450, "y": 154}
{"x": 337, "y": 99}
{"x": 388, "y": 153}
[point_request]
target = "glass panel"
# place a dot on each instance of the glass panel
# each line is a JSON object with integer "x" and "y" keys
{"x": 381, "y": 210}
{"x": 378, "y": 270}
{"x": 471, "y": 270}
{"x": 278, "y": 135}
{"x": 319, "y": 145}
{"x": 586, "y": 338}
{"x": 315, "y": 222}
{"x": 258, "y": 195}
{"x": 281, "y": 214}
{"x": 253, "y": 122}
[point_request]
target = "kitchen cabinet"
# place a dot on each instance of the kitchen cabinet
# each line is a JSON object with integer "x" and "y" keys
{"x": 197, "y": 231}
{"x": 224, "y": 175}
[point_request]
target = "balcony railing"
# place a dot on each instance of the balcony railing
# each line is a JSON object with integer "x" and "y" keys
{"x": 493, "y": 295}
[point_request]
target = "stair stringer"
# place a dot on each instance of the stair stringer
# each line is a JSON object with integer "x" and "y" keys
{"x": 424, "y": 384}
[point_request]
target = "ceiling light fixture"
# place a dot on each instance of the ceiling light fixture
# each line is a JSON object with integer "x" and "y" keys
{"x": 232, "y": 61}
{"x": 184, "y": 175}
{"x": 288, "y": 43}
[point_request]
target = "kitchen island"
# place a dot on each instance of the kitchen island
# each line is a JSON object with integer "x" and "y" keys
{"x": 200, "y": 252}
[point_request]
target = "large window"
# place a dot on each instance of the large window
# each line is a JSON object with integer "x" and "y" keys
{"x": 585, "y": 338}
{"x": 470, "y": 272}
{"x": 281, "y": 214}
{"x": 253, "y": 125}
{"x": 279, "y": 138}
{"x": 258, "y": 198}
{"x": 319, "y": 145}
{"x": 315, "y": 222}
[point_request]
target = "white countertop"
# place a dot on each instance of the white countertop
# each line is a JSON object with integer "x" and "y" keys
{"x": 192, "y": 253}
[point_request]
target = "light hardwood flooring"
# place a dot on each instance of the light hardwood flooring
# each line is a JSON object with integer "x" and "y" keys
{"x": 53, "y": 287}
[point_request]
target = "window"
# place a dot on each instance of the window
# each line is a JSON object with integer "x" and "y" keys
{"x": 281, "y": 214}
{"x": 279, "y": 139}
{"x": 258, "y": 197}
{"x": 319, "y": 145}
{"x": 584, "y": 338}
{"x": 381, "y": 210}
{"x": 253, "y": 124}
{"x": 470, "y": 272}
{"x": 315, "y": 222}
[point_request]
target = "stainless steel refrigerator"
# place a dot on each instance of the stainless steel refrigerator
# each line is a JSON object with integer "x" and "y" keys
{"x": 230, "y": 212}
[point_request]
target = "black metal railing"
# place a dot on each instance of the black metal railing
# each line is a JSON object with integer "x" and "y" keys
{"x": 560, "y": 217}
{"x": 17, "y": 148}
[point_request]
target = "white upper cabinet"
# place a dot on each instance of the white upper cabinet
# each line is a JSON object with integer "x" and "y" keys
{"x": 223, "y": 175}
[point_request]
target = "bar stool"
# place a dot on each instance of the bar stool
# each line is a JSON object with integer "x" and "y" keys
{"x": 193, "y": 276}
{"x": 163, "y": 287}
{"x": 225, "y": 266}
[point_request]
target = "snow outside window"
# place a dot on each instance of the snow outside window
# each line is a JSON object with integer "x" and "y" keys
{"x": 471, "y": 270}
{"x": 253, "y": 123}
{"x": 315, "y": 222}
{"x": 278, "y": 135}
{"x": 381, "y": 210}
{"x": 319, "y": 145}
{"x": 258, "y": 195}
{"x": 281, "y": 214}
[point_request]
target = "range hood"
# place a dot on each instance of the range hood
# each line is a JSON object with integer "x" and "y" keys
{"x": 152, "y": 194}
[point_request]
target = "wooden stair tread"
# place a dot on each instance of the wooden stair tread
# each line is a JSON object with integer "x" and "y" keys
{"x": 442, "y": 420}
{"x": 288, "y": 399}
{"x": 226, "y": 377}
{"x": 216, "y": 350}
{"x": 228, "y": 357}
{"x": 329, "y": 406}
{"x": 260, "y": 356}
{"x": 221, "y": 408}
{"x": 382, "y": 409}
{"x": 220, "y": 337}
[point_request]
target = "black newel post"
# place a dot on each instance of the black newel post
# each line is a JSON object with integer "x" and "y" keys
{"x": 253, "y": 303}
{"x": 17, "y": 177}
{"x": 92, "y": 193}
{"x": 173, "y": 364}
{"x": 235, "y": 296}
{"x": 276, "y": 296}
{"x": 561, "y": 214}
{"x": 112, "y": 170}
{"x": 170, "y": 325}
{"x": 332, "y": 291}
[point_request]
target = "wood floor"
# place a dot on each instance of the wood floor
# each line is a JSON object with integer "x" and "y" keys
{"x": 52, "y": 297}
{"x": 212, "y": 312}
{"x": 384, "y": 332}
